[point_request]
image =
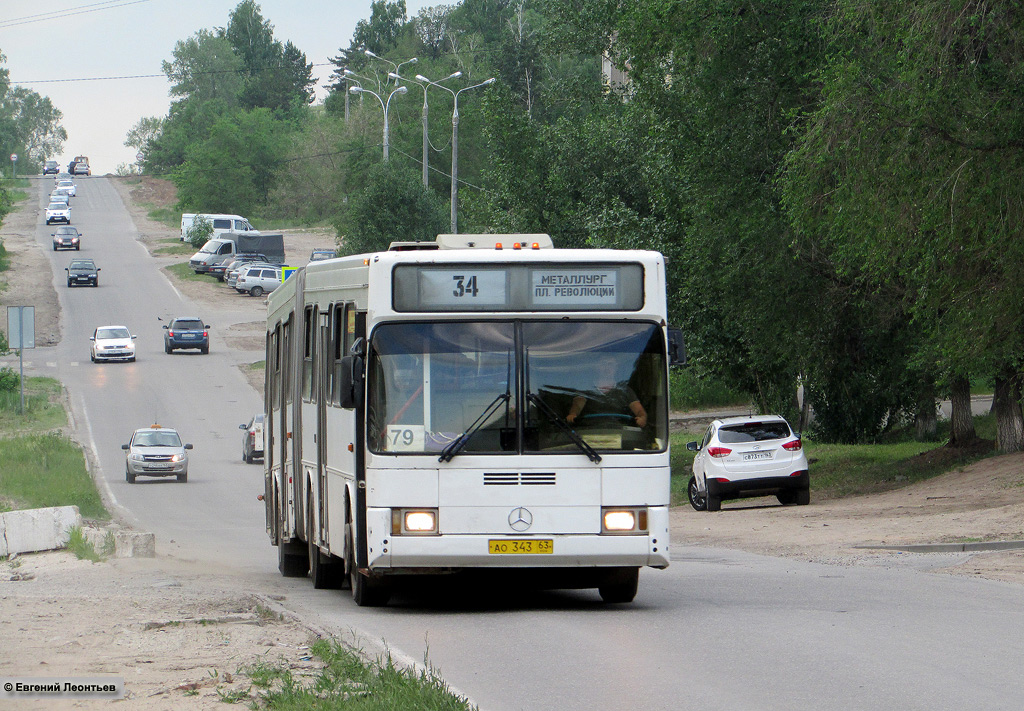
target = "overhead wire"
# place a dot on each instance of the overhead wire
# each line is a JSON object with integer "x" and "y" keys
{"x": 57, "y": 14}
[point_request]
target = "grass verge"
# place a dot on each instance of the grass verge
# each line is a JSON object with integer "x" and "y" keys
{"x": 839, "y": 470}
{"x": 39, "y": 466}
{"x": 185, "y": 273}
{"x": 346, "y": 682}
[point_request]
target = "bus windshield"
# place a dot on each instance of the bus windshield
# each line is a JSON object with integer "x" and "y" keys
{"x": 428, "y": 384}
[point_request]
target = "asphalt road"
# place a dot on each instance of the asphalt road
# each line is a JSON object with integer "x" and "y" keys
{"x": 717, "y": 630}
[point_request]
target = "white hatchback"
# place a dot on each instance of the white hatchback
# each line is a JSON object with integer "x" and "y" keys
{"x": 112, "y": 343}
{"x": 743, "y": 457}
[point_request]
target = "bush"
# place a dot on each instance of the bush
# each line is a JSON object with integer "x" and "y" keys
{"x": 200, "y": 231}
{"x": 9, "y": 380}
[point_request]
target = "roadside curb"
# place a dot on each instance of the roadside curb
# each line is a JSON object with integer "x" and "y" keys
{"x": 372, "y": 650}
{"x": 950, "y": 547}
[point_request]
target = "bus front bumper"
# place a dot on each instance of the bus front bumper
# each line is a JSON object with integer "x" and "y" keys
{"x": 454, "y": 551}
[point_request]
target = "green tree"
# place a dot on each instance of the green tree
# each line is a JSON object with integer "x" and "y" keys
{"x": 234, "y": 169}
{"x": 393, "y": 206}
{"x": 205, "y": 67}
{"x": 29, "y": 124}
{"x": 909, "y": 172}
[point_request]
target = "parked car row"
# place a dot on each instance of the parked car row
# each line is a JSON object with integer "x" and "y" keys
{"x": 250, "y": 273}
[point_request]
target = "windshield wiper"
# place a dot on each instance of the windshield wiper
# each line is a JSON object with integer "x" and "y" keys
{"x": 569, "y": 431}
{"x": 449, "y": 452}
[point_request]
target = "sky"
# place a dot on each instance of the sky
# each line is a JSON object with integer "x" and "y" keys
{"x": 67, "y": 49}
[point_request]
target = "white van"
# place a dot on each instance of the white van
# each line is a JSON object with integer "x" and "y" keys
{"x": 221, "y": 224}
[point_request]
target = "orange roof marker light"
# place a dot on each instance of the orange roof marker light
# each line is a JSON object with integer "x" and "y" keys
{"x": 494, "y": 241}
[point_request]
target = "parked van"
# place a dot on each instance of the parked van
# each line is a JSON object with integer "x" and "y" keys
{"x": 221, "y": 224}
{"x": 229, "y": 244}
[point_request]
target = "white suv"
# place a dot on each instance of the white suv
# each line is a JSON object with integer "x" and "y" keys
{"x": 743, "y": 457}
{"x": 258, "y": 280}
{"x": 58, "y": 212}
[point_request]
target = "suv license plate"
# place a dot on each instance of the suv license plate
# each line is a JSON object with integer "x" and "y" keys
{"x": 513, "y": 546}
{"x": 757, "y": 455}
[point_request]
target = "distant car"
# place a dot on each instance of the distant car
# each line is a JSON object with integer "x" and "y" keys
{"x": 743, "y": 457}
{"x": 50, "y": 166}
{"x": 112, "y": 343}
{"x": 186, "y": 332}
{"x": 68, "y": 186}
{"x": 231, "y": 276}
{"x": 58, "y": 212}
{"x": 62, "y": 176}
{"x": 83, "y": 272}
{"x": 220, "y": 271}
{"x": 258, "y": 280}
{"x": 319, "y": 254}
{"x": 81, "y": 169}
{"x": 67, "y": 237}
{"x": 252, "y": 440}
{"x": 156, "y": 451}
{"x": 57, "y": 196}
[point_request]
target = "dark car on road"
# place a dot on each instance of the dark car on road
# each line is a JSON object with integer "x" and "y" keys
{"x": 50, "y": 167}
{"x": 83, "y": 272}
{"x": 186, "y": 332}
{"x": 67, "y": 237}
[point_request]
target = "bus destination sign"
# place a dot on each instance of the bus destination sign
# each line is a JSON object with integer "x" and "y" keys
{"x": 518, "y": 287}
{"x": 574, "y": 287}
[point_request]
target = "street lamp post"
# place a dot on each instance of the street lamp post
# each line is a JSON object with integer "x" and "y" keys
{"x": 384, "y": 105}
{"x": 394, "y": 74}
{"x": 455, "y": 142}
{"x": 424, "y": 83}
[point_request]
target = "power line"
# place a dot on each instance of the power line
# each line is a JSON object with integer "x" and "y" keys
{"x": 57, "y": 14}
{"x": 151, "y": 76}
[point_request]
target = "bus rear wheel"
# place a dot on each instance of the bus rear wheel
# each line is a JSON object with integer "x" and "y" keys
{"x": 292, "y": 557}
{"x": 324, "y": 569}
{"x": 620, "y": 585}
{"x": 366, "y": 591}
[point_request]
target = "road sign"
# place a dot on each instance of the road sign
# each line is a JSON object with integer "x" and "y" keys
{"x": 21, "y": 327}
{"x": 139, "y": 157}
{"x": 14, "y": 156}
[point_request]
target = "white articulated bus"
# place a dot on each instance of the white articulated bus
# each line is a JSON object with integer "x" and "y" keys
{"x": 482, "y": 401}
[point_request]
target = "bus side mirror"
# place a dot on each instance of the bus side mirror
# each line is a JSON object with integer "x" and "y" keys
{"x": 676, "y": 347}
{"x": 351, "y": 385}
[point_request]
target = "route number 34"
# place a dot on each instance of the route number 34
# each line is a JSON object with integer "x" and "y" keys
{"x": 464, "y": 286}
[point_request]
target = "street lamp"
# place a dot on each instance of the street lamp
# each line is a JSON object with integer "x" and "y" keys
{"x": 385, "y": 105}
{"x": 394, "y": 67}
{"x": 426, "y": 82}
{"x": 455, "y": 142}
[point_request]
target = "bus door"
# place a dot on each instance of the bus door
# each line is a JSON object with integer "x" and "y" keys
{"x": 320, "y": 397}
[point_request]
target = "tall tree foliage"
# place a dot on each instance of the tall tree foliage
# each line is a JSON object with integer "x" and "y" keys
{"x": 910, "y": 172}
{"x": 29, "y": 124}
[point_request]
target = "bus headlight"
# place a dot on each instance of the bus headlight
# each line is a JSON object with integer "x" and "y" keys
{"x": 624, "y": 520}
{"x": 413, "y": 521}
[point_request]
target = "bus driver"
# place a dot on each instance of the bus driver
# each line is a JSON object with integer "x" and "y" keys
{"x": 615, "y": 398}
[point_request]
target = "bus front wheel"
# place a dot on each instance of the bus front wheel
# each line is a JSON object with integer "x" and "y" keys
{"x": 620, "y": 585}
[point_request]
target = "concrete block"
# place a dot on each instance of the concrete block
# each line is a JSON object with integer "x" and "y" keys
{"x": 133, "y": 544}
{"x": 33, "y": 530}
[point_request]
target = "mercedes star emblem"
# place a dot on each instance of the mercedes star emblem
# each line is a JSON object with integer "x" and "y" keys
{"x": 520, "y": 519}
